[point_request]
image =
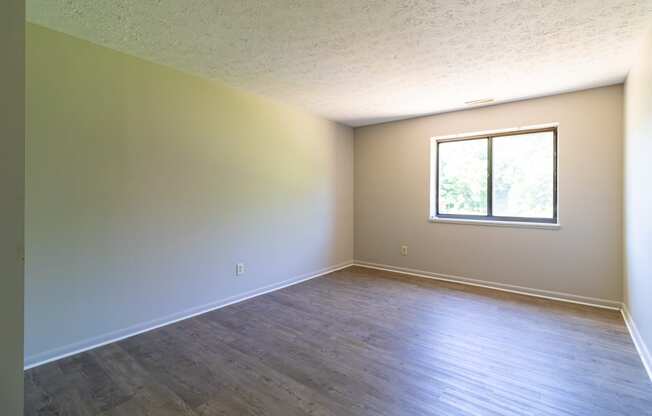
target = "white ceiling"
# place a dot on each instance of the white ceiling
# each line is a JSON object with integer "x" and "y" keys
{"x": 360, "y": 61}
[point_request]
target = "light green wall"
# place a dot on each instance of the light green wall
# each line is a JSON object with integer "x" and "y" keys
{"x": 12, "y": 184}
{"x": 638, "y": 199}
{"x": 145, "y": 186}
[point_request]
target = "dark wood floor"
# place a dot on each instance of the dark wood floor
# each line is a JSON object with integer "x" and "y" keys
{"x": 361, "y": 342}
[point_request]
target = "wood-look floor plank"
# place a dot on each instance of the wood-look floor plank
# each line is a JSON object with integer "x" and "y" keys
{"x": 361, "y": 342}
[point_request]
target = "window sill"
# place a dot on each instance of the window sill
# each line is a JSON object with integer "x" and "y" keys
{"x": 512, "y": 224}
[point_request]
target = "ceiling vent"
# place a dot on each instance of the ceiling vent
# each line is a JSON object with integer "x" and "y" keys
{"x": 478, "y": 102}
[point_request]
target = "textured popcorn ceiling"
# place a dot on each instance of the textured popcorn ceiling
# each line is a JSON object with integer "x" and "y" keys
{"x": 361, "y": 62}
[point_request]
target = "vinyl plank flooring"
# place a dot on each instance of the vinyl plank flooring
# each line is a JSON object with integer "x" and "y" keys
{"x": 361, "y": 342}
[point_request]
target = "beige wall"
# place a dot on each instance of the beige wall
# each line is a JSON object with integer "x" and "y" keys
{"x": 145, "y": 186}
{"x": 12, "y": 184}
{"x": 583, "y": 258}
{"x": 638, "y": 198}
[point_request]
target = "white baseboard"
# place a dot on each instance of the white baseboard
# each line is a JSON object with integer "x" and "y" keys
{"x": 95, "y": 342}
{"x": 640, "y": 345}
{"x": 91, "y": 343}
{"x": 546, "y": 294}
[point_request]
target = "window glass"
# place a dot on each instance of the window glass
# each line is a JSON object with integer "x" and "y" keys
{"x": 504, "y": 177}
{"x": 463, "y": 177}
{"x": 523, "y": 175}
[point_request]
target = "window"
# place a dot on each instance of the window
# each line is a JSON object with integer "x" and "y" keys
{"x": 507, "y": 176}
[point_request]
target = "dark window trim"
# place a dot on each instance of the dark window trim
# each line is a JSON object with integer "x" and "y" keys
{"x": 490, "y": 216}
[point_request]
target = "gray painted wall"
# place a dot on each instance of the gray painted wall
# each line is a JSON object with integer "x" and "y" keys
{"x": 145, "y": 187}
{"x": 12, "y": 183}
{"x": 583, "y": 258}
{"x": 637, "y": 196}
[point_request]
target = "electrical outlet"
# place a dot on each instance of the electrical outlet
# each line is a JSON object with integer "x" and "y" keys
{"x": 239, "y": 269}
{"x": 404, "y": 249}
